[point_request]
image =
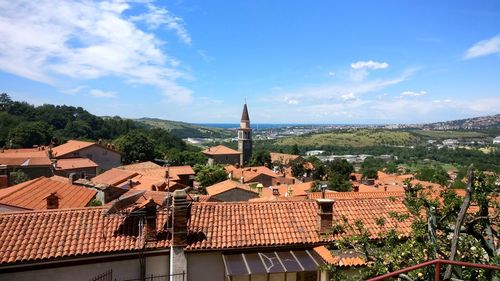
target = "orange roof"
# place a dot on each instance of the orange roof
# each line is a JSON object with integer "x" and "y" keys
{"x": 227, "y": 185}
{"x": 31, "y": 194}
{"x": 250, "y": 173}
{"x": 24, "y": 157}
{"x": 32, "y": 236}
{"x": 74, "y": 146}
{"x": 114, "y": 176}
{"x": 299, "y": 189}
{"x": 140, "y": 166}
{"x": 220, "y": 150}
{"x": 356, "y": 195}
{"x": 326, "y": 255}
{"x": 283, "y": 158}
{"x": 75, "y": 163}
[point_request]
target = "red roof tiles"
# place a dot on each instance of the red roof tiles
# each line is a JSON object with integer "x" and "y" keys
{"x": 24, "y": 157}
{"x": 114, "y": 176}
{"x": 283, "y": 158}
{"x": 31, "y": 195}
{"x": 356, "y": 195}
{"x": 75, "y": 163}
{"x": 227, "y": 185}
{"x": 220, "y": 150}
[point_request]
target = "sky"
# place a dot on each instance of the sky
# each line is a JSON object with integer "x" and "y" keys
{"x": 334, "y": 62}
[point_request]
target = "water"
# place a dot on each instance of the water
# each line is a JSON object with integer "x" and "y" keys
{"x": 256, "y": 126}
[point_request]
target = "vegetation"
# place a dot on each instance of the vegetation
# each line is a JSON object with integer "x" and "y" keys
{"x": 434, "y": 221}
{"x": 260, "y": 158}
{"x": 186, "y": 130}
{"x": 208, "y": 175}
{"x": 434, "y": 174}
{"x": 17, "y": 176}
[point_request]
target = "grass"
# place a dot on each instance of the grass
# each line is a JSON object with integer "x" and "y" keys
{"x": 449, "y": 134}
{"x": 353, "y": 138}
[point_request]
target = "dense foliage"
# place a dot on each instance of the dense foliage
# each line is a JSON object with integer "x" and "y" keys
{"x": 435, "y": 220}
{"x": 25, "y": 125}
{"x": 208, "y": 175}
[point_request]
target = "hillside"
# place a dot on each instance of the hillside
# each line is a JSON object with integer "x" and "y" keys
{"x": 352, "y": 138}
{"x": 186, "y": 130}
{"x": 483, "y": 122}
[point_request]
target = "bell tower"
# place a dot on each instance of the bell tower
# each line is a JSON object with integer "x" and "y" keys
{"x": 245, "y": 137}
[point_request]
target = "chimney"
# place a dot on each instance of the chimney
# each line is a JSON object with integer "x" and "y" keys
{"x": 72, "y": 178}
{"x": 355, "y": 188}
{"x": 276, "y": 191}
{"x": 167, "y": 175}
{"x": 4, "y": 181}
{"x": 181, "y": 214}
{"x": 52, "y": 201}
{"x": 325, "y": 215}
{"x": 150, "y": 228}
{"x": 130, "y": 183}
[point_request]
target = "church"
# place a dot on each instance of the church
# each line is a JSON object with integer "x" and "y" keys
{"x": 224, "y": 155}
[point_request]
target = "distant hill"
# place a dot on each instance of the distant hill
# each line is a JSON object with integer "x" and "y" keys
{"x": 484, "y": 122}
{"x": 186, "y": 130}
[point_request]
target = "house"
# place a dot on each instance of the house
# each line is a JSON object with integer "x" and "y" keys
{"x": 81, "y": 167}
{"x": 258, "y": 174}
{"x": 44, "y": 193}
{"x": 283, "y": 158}
{"x": 148, "y": 176}
{"x": 222, "y": 155}
{"x": 231, "y": 191}
{"x": 496, "y": 140}
{"x": 105, "y": 156}
{"x": 34, "y": 162}
{"x": 195, "y": 241}
{"x": 287, "y": 190}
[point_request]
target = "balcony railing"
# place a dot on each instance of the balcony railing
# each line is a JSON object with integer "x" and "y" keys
{"x": 437, "y": 269}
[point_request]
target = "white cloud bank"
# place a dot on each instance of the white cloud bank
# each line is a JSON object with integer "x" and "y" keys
{"x": 51, "y": 41}
{"x": 483, "y": 48}
{"x": 102, "y": 94}
{"x": 369, "y": 65}
{"x": 413, "y": 94}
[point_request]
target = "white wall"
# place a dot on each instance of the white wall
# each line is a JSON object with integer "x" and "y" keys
{"x": 122, "y": 270}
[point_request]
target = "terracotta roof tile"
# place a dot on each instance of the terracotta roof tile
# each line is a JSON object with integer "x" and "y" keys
{"x": 24, "y": 157}
{"x": 51, "y": 234}
{"x": 283, "y": 158}
{"x": 70, "y": 147}
{"x": 140, "y": 166}
{"x": 220, "y": 150}
{"x": 227, "y": 185}
{"x": 31, "y": 195}
{"x": 75, "y": 163}
{"x": 356, "y": 195}
{"x": 114, "y": 176}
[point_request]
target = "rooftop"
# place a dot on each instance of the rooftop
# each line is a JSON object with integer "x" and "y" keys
{"x": 31, "y": 195}
{"x": 227, "y": 185}
{"x": 75, "y": 163}
{"x": 220, "y": 150}
{"x": 24, "y": 157}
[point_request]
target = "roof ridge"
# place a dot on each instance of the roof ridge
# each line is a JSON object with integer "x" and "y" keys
{"x": 51, "y": 210}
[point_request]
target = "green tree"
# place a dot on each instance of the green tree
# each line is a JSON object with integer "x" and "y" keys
{"x": 338, "y": 182}
{"x": 208, "y": 175}
{"x": 135, "y": 146}
{"x": 28, "y": 134}
{"x": 17, "y": 176}
{"x": 297, "y": 166}
{"x": 260, "y": 158}
{"x": 177, "y": 157}
{"x": 436, "y": 174}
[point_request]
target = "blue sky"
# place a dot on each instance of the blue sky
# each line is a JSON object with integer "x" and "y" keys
{"x": 293, "y": 61}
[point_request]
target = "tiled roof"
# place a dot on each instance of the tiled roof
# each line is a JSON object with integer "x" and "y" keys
{"x": 42, "y": 235}
{"x": 24, "y": 157}
{"x": 220, "y": 150}
{"x": 257, "y": 224}
{"x": 227, "y": 185}
{"x": 70, "y": 147}
{"x": 75, "y": 163}
{"x": 356, "y": 195}
{"x": 33, "y": 236}
{"x": 250, "y": 173}
{"x": 181, "y": 170}
{"x": 114, "y": 176}
{"x": 283, "y": 157}
{"x": 140, "y": 166}
{"x": 298, "y": 189}
{"x": 31, "y": 195}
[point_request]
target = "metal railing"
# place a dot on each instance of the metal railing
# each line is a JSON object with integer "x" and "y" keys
{"x": 175, "y": 277}
{"x": 437, "y": 269}
{"x": 106, "y": 276}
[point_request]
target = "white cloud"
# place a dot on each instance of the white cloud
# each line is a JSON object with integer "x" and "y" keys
{"x": 484, "y": 48}
{"x": 291, "y": 101}
{"x": 157, "y": 17}
{"x": 331, "y": 73}
{"x": 369, "y": 65}
{"x": 53, "y": 41}
{"x": 413, "y": 94}
{"x": 73, "y": 91}
{"x": 102, "y": 94}
{"x": 348, "y": 97}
